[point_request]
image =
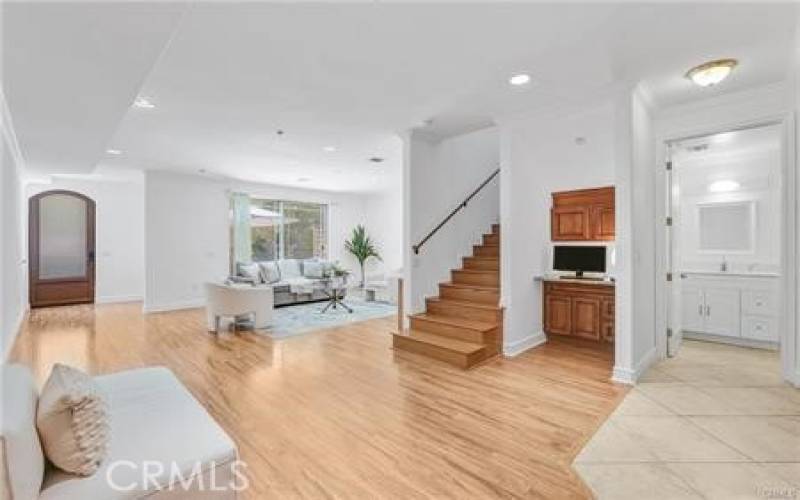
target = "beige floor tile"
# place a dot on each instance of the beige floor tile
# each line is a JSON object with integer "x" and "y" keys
{"x": 768, "y": 439}
{"x": 741, "y": 375}
{"x": 684, "y": 399}
{"x": 789, "y": 472}
{"x": 656, "y": 375}
{"x": 654, "y": 438}
{"x": 636, "y": 403}
{"x": 729, "y": 481}
{"x": 635, "y": 482}
{"x": 758, "y": 400}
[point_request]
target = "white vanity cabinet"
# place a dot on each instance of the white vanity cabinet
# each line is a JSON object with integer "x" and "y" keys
{"x": 738, "y": 306}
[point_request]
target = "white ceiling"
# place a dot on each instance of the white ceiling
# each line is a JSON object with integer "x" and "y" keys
{"x": 345, "y": 75}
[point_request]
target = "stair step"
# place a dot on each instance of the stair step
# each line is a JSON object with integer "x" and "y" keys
{"x": 476, "y": 277}
{"x": 487, "y": 263}
{"x": 463, "y": 309}
{"x": 458, "y": 328}
{"x": 453, "y": 351}
{"x": 470, "y": 293}
{"x": 485, "y": 250}
{"x": 496, "y": 228}
{"x": 491, "y": 239}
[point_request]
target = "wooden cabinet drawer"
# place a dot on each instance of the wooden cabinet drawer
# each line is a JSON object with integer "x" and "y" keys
{"x": 607, "y": 331}
{"x": 608, "y": 308}
{"x": 759, "y": 328}
{"x": 759, "y": 302}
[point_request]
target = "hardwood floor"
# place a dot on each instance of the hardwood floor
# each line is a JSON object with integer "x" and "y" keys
{"x": 339, "y": 414}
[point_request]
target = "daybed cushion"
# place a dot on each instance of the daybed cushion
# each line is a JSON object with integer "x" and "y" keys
{"x": 249, "y": 270}
{"x": 155, "y": 418}
{"x": 22, "y": 467}
{"x": 270, "y": 272}
{"x": 72, "y": 420}
{"x": 314, "y": 269}
{"x": 290, "y": 268}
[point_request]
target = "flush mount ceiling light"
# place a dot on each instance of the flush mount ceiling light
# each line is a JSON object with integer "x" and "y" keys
{"x": 520, "y": 79}
{"x": 712, "y": 72}
{"x": 303, "y": 179}
{"x": 143, "y": 103}
{"x": 329, "y": 149}
{"x": 723, "y": 186}
{"x": 113, "y": 151}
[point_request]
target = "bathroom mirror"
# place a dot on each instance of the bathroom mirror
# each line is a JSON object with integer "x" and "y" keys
{"x": 727, "y": 227}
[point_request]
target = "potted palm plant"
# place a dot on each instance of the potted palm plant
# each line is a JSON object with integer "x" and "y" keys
{"x": 362, "y": 248}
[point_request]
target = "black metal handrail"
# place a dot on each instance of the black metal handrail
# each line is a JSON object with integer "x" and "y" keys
{"x": 460, "y": 207}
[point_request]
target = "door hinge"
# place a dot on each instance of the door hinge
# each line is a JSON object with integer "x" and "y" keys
{"x": 669, "y": 333}
{"x": 669, "y": 221}
{"x": 669, "y": 276}
{"x": 668, "y": 165}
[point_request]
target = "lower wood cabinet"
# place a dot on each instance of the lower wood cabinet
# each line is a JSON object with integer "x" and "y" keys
{"x": 579, "y": 310}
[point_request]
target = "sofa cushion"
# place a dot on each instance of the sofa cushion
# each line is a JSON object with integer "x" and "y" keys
{"x": 314, "y": 269}
{"x": 249, "y": 270}
{"x": 72, "y": 420}
{"x": 21, "y": 456}
{"x": 154, "y": 419}
{"x": 270, "y": 273}
{"x": 290, "y": 268}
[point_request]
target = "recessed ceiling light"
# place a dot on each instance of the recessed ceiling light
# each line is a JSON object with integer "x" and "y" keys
{"x": 329, "y": 149}
{"x": 113, "y": 151}
{"x": 520, "y": 79}
{"x": 712, "y": 72}
{"x": 376, "y": 159}
{"x": 723, "y": 186}
{"x": 303, "y": 179}
{"x": 143, "y": 103}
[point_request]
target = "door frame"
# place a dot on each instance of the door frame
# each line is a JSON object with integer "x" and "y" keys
{"x": 33, "y": 247}
{"x": 787, "y": 321}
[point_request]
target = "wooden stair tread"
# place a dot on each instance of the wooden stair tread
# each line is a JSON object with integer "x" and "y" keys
{"x": 471, "y": 287}
{"x": 448, "y": 343}
{"x": 483, "y": 257}
{"x": 471, "y": 324}
{"x": 476, "y": 271}
{"x": 477, "y": 305}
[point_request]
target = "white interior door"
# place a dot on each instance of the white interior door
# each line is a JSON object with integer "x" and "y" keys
{"x": 674, "y": 296}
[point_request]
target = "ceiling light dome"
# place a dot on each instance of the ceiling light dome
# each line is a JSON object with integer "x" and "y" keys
{"x": 712, "y": 72}
{"x": 723, "y": 186}
{"x": 520, "y": 79}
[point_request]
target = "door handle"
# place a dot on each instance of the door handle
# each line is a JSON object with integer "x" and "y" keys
{"x": 708, "y": 310}
{"x": 700, "y": 309}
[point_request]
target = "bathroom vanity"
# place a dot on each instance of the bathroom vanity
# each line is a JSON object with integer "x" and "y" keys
{"x": 733, "y": 306}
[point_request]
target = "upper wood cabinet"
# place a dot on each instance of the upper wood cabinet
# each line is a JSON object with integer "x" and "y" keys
{"x": 583, "y": 215}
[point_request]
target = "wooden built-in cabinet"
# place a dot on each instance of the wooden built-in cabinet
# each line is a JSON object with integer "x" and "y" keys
{"x": 579, "y": 310}
{"x": 583, "y": 215}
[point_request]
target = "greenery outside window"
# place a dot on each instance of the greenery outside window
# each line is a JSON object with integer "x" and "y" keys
{"x": 288, "y": 229}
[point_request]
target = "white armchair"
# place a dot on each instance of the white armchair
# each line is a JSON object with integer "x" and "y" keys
{"x": 383, "y": 287}
{"x": 238, "y": 300}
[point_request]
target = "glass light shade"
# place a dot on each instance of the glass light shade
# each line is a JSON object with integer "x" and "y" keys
{"x": 723, "y": 186}
{"x": 711, "y": 73}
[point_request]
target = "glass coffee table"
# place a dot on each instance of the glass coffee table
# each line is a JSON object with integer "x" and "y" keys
{"x": 334, "y": 288}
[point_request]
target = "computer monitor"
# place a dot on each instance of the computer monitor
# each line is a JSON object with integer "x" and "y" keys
{"x": 579, "y": 259}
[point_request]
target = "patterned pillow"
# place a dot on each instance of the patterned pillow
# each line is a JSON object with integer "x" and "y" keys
{"x": 73, "y": 421}
{"x": 250, "y": 270}
{"x": 270, "y": 272}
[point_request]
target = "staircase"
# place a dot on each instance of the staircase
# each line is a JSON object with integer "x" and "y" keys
{"x": 463, "y": 325}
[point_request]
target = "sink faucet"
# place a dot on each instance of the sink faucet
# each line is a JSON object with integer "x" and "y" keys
{"x": 724, "y": 265}
{"x": 752, "y": 267}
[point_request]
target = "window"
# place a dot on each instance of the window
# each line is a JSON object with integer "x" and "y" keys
{"x": 288, "y": 229}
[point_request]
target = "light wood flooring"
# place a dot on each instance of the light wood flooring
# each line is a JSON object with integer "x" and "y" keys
{"x": 339, "y": 414}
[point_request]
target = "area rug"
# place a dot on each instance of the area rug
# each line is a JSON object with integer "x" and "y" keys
{"x": 304, "y": 318}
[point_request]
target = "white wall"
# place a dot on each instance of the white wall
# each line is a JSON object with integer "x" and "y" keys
{"x": 438, "y": 176}
{"x": 383, "y": 218}
{"x": 119, "y": 231}
{"x": 187, "y": 232}
{"x": 13, "y": 275}
{"x": 539, "y": 156}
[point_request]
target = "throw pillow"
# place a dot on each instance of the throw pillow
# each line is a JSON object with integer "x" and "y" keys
{"x": 72, "y": 420}
{"x": 250, "y": 270}
{"x": 290, "y": 268}
{"x": 313, "y": 269}
{"x": 270, "y": 272}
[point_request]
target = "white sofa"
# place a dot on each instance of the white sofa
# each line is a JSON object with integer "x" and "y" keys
{"x": 154, "y": 419}
{"x": 294, "y": 283}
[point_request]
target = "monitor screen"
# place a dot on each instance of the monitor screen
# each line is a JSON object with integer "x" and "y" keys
{"x": 579, "y": 258}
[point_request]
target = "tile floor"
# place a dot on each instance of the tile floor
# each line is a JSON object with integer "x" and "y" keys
{"x": 715, "y": 422}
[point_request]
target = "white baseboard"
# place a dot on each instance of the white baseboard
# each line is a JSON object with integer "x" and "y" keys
{"x": 630, "y": 376}
{"x": 117, "y": 299}
{"x": 529, "y": 342}
{"x": 173, "y": 306}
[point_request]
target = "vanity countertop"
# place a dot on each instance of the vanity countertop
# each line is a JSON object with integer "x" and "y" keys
{"x": 581, "y": 281}
{"x": 731, "y": 274}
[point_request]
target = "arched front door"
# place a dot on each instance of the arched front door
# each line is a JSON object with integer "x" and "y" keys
{"x": 61, "y": 248}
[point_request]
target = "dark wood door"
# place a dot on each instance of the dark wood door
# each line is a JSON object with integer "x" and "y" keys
{"x": 586, "y": 317}
{"x": 558, "y": 314}
{"x": 61, "y": 252}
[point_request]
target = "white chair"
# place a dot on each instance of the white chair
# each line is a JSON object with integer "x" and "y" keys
{"x": 383, "y": 287}
{"x": 239, "y": 300}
